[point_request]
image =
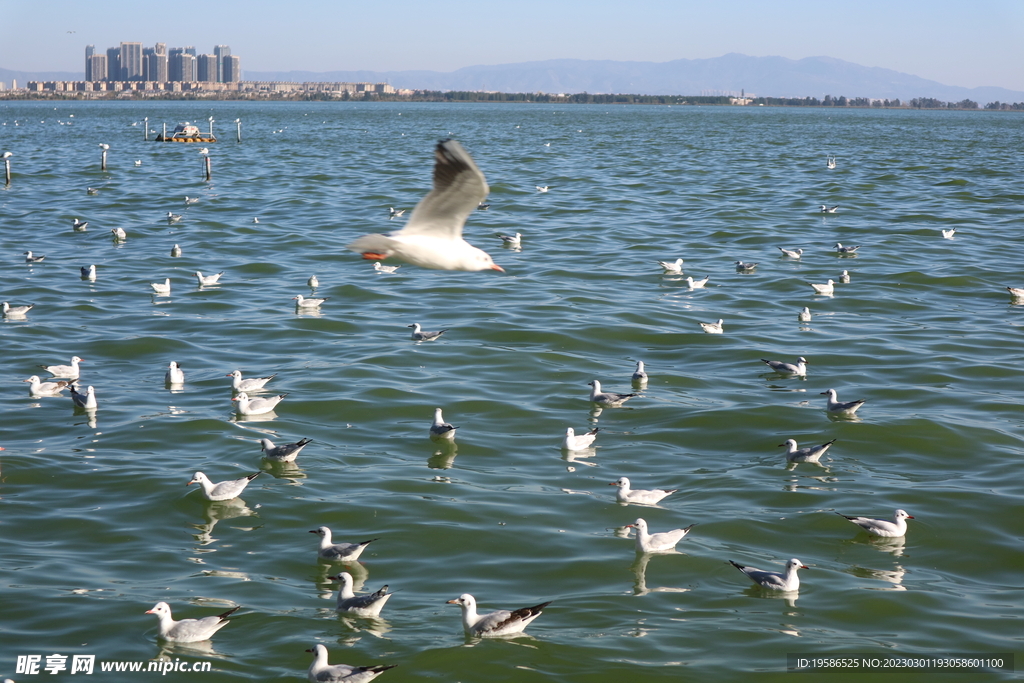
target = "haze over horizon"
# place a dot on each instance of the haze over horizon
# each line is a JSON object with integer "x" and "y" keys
{"x": 944, "y": 41}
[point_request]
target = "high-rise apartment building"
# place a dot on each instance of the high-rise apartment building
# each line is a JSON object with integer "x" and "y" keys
{"x": 90, "y": 50}
{"x": 96, "y": 68}
{"x": 181, "y": 64}
{"x": 113, "y": 64}
{"x": 131, "y": 61}
{"x": 232, "y": 69}
{"x": 206, "y": 68}
{"x": 222, "y": 52}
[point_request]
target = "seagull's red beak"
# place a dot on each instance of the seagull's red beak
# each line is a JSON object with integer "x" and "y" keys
{"x": 497, "y": 267}
{"x": 371, "y": 256}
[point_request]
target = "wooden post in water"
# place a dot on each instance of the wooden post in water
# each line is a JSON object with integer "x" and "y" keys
{"x": 238, "y": 133}
{"x": 7, "y": 168}
{"x": 103, "y": 161}
{"x": 211, "y": 126}
{"x": 207, "y": 163}
{"x": 164, "y": 136}
{"x": 145, "y": 131}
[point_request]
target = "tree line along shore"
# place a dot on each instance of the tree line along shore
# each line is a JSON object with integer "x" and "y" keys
{"x": 578, "y": 98}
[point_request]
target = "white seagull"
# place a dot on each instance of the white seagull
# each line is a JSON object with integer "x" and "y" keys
{"x": 16, "y": 311}
{"x": 368, "y": 605}
{"x": 65, "y": 371}
{"x": 188, "y": 630}
{"x": 303, "y": 302}
{"x": 640, "y": 375}
{"x": 777, "y": 581}
{"x": 119, "y": 234}
{"x": 86, "y": 400}
{"x": 256, "y": 406}
{"x": 845, "y": 250}
{"x": 89, "y": 272}
{"x": 697, "y": 284}
{"x": 204, "y": 151}
{"x": 206, "y": 280}
{"x": 798, "y": 368}
{"x": 714, "y": 328}
{"x": 844, "y": 277}
{"x": 312, "y": 282}
{"x": 805, "y": 315}
{"x": 673, "y": 267}
{"x": 31, "y": 258}
{"x": 252, "y": 384}
{"x": 339, "y": 552}
{"x": 745, "y": 267}
{"x": 395, "y": 213}
{"x": 607, "y": 399}
{"x": 883, "y": 527}
{"x": 286, "y": 452}
{"x": 175, "y": 375}
{"x": 500, "y": 623}
{"x": 322, "y": 672}
{"x": 627, "y": 495}
{"x": 79, "y": 225}
{"x": 829, "y": 209}
{"x": 380, "y": 268}
{"x": 191, "y": 200}
{"x": 808, "y": 454}
{"x": 830, "y": 162}
{"x": 572, "y": 442}
{"x": 794, "y": 253}
{"x": 419, "y": 335}
{"x": 138, "y": 162}
{"x": 173, "y": 217}
{"x": 433, "y": 236}
{"x": 835, "y": 406}
{"x": 104, "y": 146}
{"x": 441, "y": 430}
{"x": 164, "y": 288}
{"x": 39, "y": 389}
{"x": 175, "y": 251}
{"x": 510, "y": 240}
{"x": 827, "y": 289}
{"x": 948, "y": 234}
{"x": 656, "y": 543}
{"x": 540, "y": 188}
{"x": 1016, "y": 292}
{"x": 225, "y": 490}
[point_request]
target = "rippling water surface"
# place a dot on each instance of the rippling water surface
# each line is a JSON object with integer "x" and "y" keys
{"x": 97, "y": 524}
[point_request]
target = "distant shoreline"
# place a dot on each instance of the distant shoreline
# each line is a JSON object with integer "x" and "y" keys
{"x": 516, "y": 98}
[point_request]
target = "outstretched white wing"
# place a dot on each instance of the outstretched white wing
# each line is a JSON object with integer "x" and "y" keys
{"x": 459, "y": 187}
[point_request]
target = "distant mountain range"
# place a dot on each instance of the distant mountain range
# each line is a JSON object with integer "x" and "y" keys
{"x": 765, "y": 76}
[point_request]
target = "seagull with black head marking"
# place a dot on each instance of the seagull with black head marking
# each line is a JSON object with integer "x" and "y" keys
{"x": 79, "y": 225}
{"x": 432, "y": 238}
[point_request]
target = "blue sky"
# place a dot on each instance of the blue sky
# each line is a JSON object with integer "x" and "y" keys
{"x": 956, "y": 43}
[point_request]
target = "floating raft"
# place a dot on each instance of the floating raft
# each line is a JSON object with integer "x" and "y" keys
{"x": 177, "y": 138}
{"x": 186, "y": 132}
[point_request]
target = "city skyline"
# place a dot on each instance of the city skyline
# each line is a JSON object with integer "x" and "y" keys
{"x": 131, "y": 61}
{"x": 939, "y": 40}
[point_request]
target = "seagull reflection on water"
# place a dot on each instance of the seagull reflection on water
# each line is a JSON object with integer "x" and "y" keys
{"x": 639, "y": 569}
{"x": 444, "y": 457}
{"x": 214, "y": 512}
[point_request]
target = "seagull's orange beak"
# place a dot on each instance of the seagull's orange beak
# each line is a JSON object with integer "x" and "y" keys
{"x": 497, "y": 267}
{"x": 371, "y": 256}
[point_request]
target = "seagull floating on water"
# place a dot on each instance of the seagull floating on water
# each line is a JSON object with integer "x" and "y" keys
{"x": 674, "y": 267}
{"x": 798, "y": 368}
{"x": 86, "y": 400}
{"x": 787, "y": 581}
{"x": 441, "y": 430}
{"x": 808, "y": 454}
{"x": 829, "y": 209}
{"x": 256, "y": 406}
{"x": 607, "y": 399}
{"x": 286, "y": 452}
{"x": 65, "y": 371}
{"x": 322, "y": 672}
{"x": 380, "y": 268}
{"x": 745, "y": 267}
{"x": 312, "y": 282}
{"x": 845, "y": 250}
{"x": 175, "y": 375}
{"x": 836, "y": 406}
{"x": 419, "y": 335}
{"x": 79, "y": 225}
{"x": 948, "y": 234}
{"x": 368, "y": 605}
{"x": 164, "y": 288}
{"x": 173, "y": 217}
{"x": 188, "y": 630}
{"x": 655, "y": 543}
{"x": 175, "y": 251}
{"x": 339, "y": 552}
{"x": 844, "y": 277}
{"x": 119, "y": 234}
{"x": 32, "y": 258}
{"x": 104, "y": 146}
{"x": 883, "y": 527}
{"x": 830, "y": 162}
{"x": 627, "y": 495}
{"x": 545, "y": 188}
{"x": 138, "y": 162}
{"x": 1016, "y": 292}
{"x": 395, "y": 213}
{"x": 794, "y": 253}
{"x": 191, "y": 200}
{"x": 697, "y": 284}
{"x": 433, "y": 236}
{"x": 805, "y": 315}
{"x": 39, "y": 389}
{"x": 16, "y": 311}
{"x": 303, "y": 302}
{"x": 225, "y": 490}
{"x": 827, "y": 289}
{"x": 207, "y": 280}
{"x": 639, "y": 375}
{"x": 714, "y": 328}
{"x": 89, "y": 272}
{"x": 500, "y": 623}
{"x": 252, "y": 384}
{"x": 204, "y": 151}
{"x": 510, "y": 240}
{"x": 572, "y": 442}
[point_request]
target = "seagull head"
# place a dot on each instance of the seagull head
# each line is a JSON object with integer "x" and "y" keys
{"x": 465, "y": 600}
{"x": 621, "y": 482}
{"x": 198, "y": 478}
{"x": 902, "y": 514}
{"x": 795, "y": 564}
{"x": 160, "y": 609}
{"x": 790, "y": 443}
